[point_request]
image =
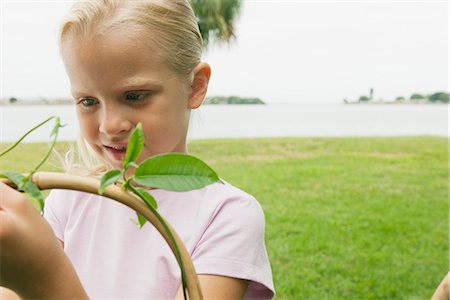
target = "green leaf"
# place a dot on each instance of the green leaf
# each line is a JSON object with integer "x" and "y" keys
{"x": 14, "y": 177}
{"x": 134, "y": 147}
{"x": 107, "y": 179}
{"x": 144, "y": 195}
{"x": 141, "y": 220}
{"x": 175, "y": 172}
{"x": 28, "y": 187}
{"x": 33, "y": 191}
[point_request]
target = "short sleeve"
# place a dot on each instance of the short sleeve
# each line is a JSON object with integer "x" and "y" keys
{"x": 51, "y": 210}
{"x": 233, "y": 245}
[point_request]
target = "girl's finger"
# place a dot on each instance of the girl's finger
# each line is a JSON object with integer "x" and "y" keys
{"x": 9, "y": 197}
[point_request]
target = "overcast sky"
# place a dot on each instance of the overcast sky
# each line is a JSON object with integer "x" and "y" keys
{"x": 286, "y": 51}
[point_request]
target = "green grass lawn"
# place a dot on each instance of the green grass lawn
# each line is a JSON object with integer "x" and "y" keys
{"x": 350, "y": 218}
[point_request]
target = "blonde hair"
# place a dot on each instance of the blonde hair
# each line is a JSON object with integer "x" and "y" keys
{"x": 83, "y": 160}
{"x": 171, "y": 22}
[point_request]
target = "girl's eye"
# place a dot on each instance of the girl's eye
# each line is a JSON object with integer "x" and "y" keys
{"x": 135, "y": 96}
{"x": 86, "y": 102}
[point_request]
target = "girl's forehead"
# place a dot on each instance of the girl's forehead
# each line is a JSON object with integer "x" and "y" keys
{"x": 135, "y": 46}
{"x": 134, "y": 37}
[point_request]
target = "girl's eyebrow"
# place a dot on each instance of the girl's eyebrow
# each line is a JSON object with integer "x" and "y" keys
{"x": 78, "y": 94}
{"x": 127, "y": 86}
{"x": 139, "y": 83}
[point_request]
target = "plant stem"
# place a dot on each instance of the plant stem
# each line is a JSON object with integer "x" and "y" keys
{"x": 47, "y": 155}
{"x": 25, "y": 135}
{"x": 166, "y": 227}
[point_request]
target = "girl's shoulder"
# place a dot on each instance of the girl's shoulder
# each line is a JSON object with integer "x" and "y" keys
{"x": 216, "y": 192}
{"x": 212, "y": 198}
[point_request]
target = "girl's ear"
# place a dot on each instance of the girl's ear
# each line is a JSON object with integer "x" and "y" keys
{"x": 199, "y": 87}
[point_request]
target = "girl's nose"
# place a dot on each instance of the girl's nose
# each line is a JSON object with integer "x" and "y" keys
{"x": 114, "y": 123}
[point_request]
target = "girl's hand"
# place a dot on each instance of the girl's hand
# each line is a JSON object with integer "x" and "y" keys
{"x": 33, "y": 264}
{"x": 442, "y": 292}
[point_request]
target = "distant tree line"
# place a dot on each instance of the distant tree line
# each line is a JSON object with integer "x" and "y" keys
{"x": 232, "y": 100}
{"x": 442, "y": 97}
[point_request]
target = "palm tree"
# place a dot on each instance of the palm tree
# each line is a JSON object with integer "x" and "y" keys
{"x": 216, "y": 18}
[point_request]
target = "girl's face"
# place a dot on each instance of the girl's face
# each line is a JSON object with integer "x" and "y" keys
{"x": 117, "y": 81}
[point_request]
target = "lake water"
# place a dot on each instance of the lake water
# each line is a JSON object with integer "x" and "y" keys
{"x": 272, "y": 120}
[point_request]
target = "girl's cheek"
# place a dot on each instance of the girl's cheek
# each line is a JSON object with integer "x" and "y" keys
{"x": 87, "y": 125}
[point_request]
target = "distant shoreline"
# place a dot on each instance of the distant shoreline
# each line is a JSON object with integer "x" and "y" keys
{"x": 437, "y": 97}
{"x": 234, "y": 104}
{"x": 368, "y": 103}
{"x": 393, "y": 103}
{"x": 35, "y": 102}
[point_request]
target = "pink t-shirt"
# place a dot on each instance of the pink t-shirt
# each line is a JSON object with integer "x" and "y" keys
{"x": 221, "y": 226}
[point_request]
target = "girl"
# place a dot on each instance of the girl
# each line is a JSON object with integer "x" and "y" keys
{"x": 130, "y": 62}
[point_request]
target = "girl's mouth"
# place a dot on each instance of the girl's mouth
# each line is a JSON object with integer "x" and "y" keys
{"x": 117, "y": 152}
